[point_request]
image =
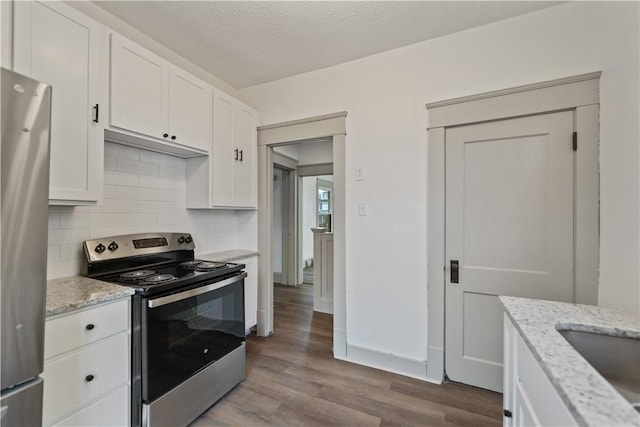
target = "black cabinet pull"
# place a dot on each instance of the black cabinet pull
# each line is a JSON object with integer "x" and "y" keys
{"x": 240, "y": 155}
{"x": 455, "y": 271}
{"x": 173, "y": 137}
{"x": 90, "y": 326}
{"x": 236, "y": 151}
{"x": 166, "y": 135}
{"x": 89, "y": 378}
{"x": 96, "y": 108}
{"x": 507, "y": 413}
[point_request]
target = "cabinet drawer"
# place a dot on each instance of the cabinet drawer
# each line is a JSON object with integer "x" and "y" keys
{"x": 84, "y": 327}
{"x": 67, "y": 384}
{"x": 112, "y": 410}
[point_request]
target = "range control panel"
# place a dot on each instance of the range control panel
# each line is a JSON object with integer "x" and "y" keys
{"x": 108, "y": 248}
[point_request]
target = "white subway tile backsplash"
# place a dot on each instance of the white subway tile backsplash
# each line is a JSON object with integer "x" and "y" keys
{"x": 121, "y": 151}
{"x": 171, "y": 172}
{"x": 170, "y": 195}
{"x": 117, "y": 205}
{"x": 158, "y": 158}
{"x": 75, "y": 220}
{"x": 121, "y": 178}
{"x": 145, "y": 219}
{"x": 54, "y": 220}
{"x": 110, "y": 191}
{"x": 135, "y": 201}
{"x": 65, "y": 236}
{"x": 156, "y": 206}
{"x": 71, "y": 252}
{"x": 110, "y": 163}
{"x": 100, "y": 232}
{"x": 53, "y": 253}
{"x": 141, "y": 168}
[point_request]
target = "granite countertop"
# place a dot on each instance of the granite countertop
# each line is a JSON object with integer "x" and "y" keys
{"x": 228, "y": 256}
{"x": 589, "y": 397}
{"x": 75, "y": 292}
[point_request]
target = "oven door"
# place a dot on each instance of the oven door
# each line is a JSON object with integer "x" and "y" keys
{"x": 184, "y": 332}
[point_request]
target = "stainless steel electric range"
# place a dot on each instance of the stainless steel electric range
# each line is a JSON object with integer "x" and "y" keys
{"x": 187, "y": 323}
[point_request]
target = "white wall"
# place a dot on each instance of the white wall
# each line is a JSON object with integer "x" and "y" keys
{"x": 308, "y": 206}
{"x": 314, "y": 153}
{"x": 144, "y": 191}
{"x": 277, "y": 221}
{"x": 385, "y": 98}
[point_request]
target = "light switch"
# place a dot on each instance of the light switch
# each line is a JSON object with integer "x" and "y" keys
{"x": 363, "y": 208}
{"x": 359, "y": 174}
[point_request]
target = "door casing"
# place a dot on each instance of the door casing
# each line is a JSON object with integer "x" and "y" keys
{"x": 577, "y": 93}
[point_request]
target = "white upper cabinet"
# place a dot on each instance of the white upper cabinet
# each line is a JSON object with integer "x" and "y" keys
{"x": 245, "y": 168}
{"x": 58, "y": 45}
{"x": 189, "y": 109}
{"x": 224, "y": 152}
{"x": 227, "y": 178}
{"x": 139, "y": 89}
{"x": 151, "y": 97}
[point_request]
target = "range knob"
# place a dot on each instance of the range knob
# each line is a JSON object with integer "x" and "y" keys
{"x": 188, "y": 239}
{"x": 100, "y": 248}
{"x": 181, "y": 239}
{"x": 113, "y": 246}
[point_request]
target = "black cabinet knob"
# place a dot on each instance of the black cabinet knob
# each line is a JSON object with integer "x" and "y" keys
{"x": 166, "y": 135}
{"x": 188, "y": 239}
{"x": 173, "y": 137}
{"x": 90, "y": 326}
{"x": 100, "y": 248}
{"x": 181, "y": 239}
{"x": 113, "y": 246}
{"x": 507, "y": 413}
{"x": 89, "y": 378}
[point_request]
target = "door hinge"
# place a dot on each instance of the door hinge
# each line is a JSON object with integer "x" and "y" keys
{"x": 575, "y": 141}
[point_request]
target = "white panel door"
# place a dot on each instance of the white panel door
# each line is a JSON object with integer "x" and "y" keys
{"x": 189, "y": 110}
{"x": 139, "y": 89}
{"x": 224, "y": 154}
{"x": 509, "y": 224}
{"x": 245, "y": 171}
{"x": 56, "y": 44}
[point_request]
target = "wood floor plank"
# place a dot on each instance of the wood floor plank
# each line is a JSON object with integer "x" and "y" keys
{"x": 293, "y": 380}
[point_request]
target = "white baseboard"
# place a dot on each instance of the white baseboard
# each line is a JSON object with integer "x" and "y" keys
{"x": 323, "y": 306}
{"x": 388, "y": 362}
{"x": 340, "y": 343}
{"x": 435, "y": 364}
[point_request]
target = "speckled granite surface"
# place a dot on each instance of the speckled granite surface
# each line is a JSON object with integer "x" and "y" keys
{"x": 228, "y": 256}
{"x": 71, "y": 293}
{"x": 590, "y": 398}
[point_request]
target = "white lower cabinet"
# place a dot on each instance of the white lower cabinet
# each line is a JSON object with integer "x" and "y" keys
{"x": 250, "y": 292}
{"x": 529, "y": 397}
{"x": 86, "y": 368}
{"x": 112, "y": 410}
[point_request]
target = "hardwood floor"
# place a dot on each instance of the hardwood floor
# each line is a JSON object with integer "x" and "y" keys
{"x": 293, "y": 380}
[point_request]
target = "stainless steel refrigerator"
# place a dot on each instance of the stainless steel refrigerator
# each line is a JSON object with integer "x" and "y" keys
{"x": 24, "y": 178}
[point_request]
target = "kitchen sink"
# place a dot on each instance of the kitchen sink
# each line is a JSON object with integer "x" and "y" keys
{"x": 616, "y": 358}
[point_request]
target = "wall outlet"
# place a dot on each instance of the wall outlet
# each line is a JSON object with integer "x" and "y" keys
{"x": 363, "y": 208}
{"x": 359, "y": 174}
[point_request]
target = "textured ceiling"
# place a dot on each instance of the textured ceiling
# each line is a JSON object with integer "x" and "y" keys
{"x": 251, "y": 42}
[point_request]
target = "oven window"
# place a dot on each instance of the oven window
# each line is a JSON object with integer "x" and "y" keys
{"x": 183, "y": 337}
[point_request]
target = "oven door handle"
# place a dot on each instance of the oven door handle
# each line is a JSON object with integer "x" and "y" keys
{"x": 158, "y": 302}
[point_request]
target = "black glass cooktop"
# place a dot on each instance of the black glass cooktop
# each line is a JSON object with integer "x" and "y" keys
{"x": 160, "y": 278}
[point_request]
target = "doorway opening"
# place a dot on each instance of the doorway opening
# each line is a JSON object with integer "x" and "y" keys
{"x": 302, "y": 234}
{"x": 273, "y": 143}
